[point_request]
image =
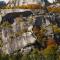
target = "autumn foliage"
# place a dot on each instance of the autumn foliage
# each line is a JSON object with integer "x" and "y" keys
{"x": 54, "y": 9}
{"x": 51, "y": 42}
{"x": 27, "y": 6}
{"x": 30, "y": 6}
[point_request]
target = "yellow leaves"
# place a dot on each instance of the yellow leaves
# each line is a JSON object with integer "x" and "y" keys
{"x": 34, "y": 6}
{"x": 28, "y": 6}
{"x": 56, "y": 29}
{"x": 54, "y": 9}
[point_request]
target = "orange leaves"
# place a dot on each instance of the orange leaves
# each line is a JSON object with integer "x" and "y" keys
{"x": 51, "y": 47}
{"x": 30, "y": 6}
{"x": 27, "y": 6}
{"x": 34, "y": 6}
{"x": 51, "y": 42}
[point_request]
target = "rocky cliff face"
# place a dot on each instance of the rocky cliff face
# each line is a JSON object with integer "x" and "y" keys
{"x": 16, "y": 38}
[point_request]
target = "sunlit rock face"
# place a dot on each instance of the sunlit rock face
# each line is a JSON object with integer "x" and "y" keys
{"x": 17, "y": 42}
{"x": 5, "y": 39}
{"x": 5, "y": 48}
{"x": 0, "y": 17}
{"x": 5, "y": 35}
{"x": 29, "y": 37}
{"x": 10, "y": 45}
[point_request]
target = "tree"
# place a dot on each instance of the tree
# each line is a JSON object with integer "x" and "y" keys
{"x": 33, "y": 55}
{"x": 54, "y": 9}
{"x": 36, "y": 55}
{"x": 40, "y": 34}
{"x": 50, "y": 52}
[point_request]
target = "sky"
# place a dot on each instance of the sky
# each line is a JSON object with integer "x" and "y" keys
{"x": 51, "y": 1}
{"x": 5, "y": 0}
